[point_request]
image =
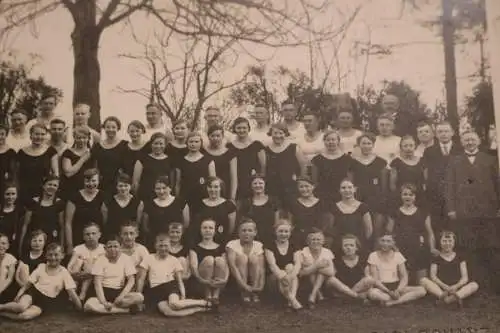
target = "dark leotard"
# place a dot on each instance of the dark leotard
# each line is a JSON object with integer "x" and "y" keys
{"x": 367, "y": 179}
{"x": 305, "y": 219}
{"x": 330, "y": 172}
{"x": 32, "y": 171}
{"x": 117, "y": 214}
{"x": 109, "y": 162}
{"x": 449, "y": 271}
{"x": 152, "y": 169}
{"x": 71, "y": 185}
{"x": 263, "y": 216}
{"x": 222, "y": 166}
{"x": 194, "y": 181}
{"x": 219, "y": 214}
{"x": 349, "y": 275}
{"x": 85, "y": 212}
{"x": 201, "y": 252}
{"x": 281, "y": 171}
{"x": 46, "y": 218}
{"x": 282, "y": 259}
{"x": 248, "y": 165}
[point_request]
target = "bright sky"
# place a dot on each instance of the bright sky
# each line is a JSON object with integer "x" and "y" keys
{"x": 420, "y": 64}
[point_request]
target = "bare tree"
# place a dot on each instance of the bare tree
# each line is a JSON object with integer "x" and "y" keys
{"x": 272, "y": 23}
{"x": 186, "y": 72}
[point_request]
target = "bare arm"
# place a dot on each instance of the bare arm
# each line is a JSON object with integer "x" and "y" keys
{"x": 393, "y": 179}
{"x": 211, "y": 169}
{"x": 6, "y": 282}
{"x": 104, "y": 212}
{"x": 186, "y": 216}
{"x": 232, "y": 222}
{"x": 177, "y": 182}
{"x": 24, "y": 229}
{"x": 464, "y": 276}
{"x": 69, "y": 169}
{"x": 54, "y": 165}
{"x": 68, "y": 224}
{"x": 233, "y": 176}
{"x": 368, "y": 225}
{"x": 403, "y": 277}
{"x": 180, "y": 282}
{"x": 390, "y": 225}
{"x": 435, "y": 279}
{"x": 193, "y": 262}
{"x": 142, "y": 273}
{"x": 262, "y": 161}
{"x": 271, "y": 262}
{"x": 127, "y": 289}
{"x": 99, "y": 292}
{"x": 136, "y": 178}
{"x": 301, "y": 159}
{"x": 430, "y": 235}
{"x": 140, "y": 212}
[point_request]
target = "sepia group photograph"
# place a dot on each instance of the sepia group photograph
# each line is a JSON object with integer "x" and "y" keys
{"x": 250, "y": 166}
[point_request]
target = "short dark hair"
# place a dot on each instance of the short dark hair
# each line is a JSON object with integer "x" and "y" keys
{"x": 113, "y": 119}
{"x": 57, "y": 121}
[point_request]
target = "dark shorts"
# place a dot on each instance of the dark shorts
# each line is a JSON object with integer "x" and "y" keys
{"x": 349, "y": 280}
{"x": 45, "y": 302}
{"x": 418, "y": 259}
{"x": 162, "y": 292}
{"x": 391, "y": 285}
{"x": 9, "y": 293}
{"x": 110, "y": 294}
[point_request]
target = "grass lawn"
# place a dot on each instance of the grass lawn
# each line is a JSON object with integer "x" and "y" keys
{"x": 481, "y": 314}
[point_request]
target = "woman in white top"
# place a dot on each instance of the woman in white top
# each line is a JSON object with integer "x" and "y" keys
{"x": 246, "y": 261}
{"x": 348, "y": 134}
{"x": 312, "y": 142}
{"x": 387, "y": 267}
{"x": 317, "y": 264}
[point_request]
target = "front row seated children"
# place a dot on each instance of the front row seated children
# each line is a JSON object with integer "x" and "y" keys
{"x": 351, "y": 273}
{"x": 167, "y": 291}
{"x": 84, "y": 257}
{"x": 317, "y": 265}
{"x": 177, "y": 249}
{"x": 208, "y": 263}
{"x": 30, "y": 261}
{"x": 284, "y": 262}
{"x": 387, "y": 267}
{"x": 43, "y": 290}
{"x": 245, "y": 257}
{"x": 449, "y": 277}
{"x": 114, "y": 278}
{"x": 129, "y": 231}
{"x": 7, "y": 271}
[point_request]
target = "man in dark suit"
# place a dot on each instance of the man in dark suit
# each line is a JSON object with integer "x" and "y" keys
{"x": 436, "y": 159}
{"x": 472, "y": 202}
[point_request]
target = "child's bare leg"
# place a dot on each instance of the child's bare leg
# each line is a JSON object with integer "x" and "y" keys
{"x": 333, "y": 282}
{"x": 432, "y": 288}
{"x": 167, "y": 311}
{"x": 17, "y": 307}
{"x": 326, "y": 272}
{"x": 255, "y": 272}
{"x": 84, "y": 289}
{"x": 30, "y": 313}
{"x": 467, "y": 290}
{"x": 206, "y": 270}
{"x": 378, "y": 225}
{"x": 175, "y": 303}
{"x": 130, "y": 299}
{"x": 364, "y": 285}
{"x": 378, "y": 295}
{"x": 408, "y": 294}
{"x": 292, "y": 288}
{"x": 221, "y": 271}
{"x": 242, "y": 266}
{"x": 94, "y": 306}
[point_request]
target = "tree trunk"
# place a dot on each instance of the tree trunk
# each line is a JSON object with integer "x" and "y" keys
{"x": 449, "y": 63}
{"x": 86, "y": 72}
